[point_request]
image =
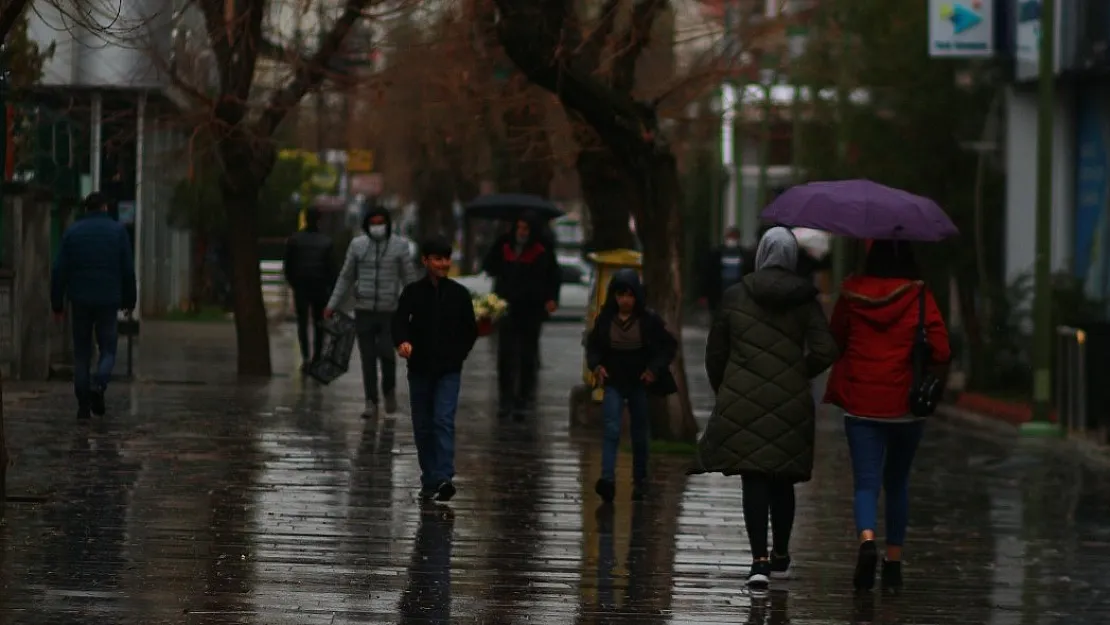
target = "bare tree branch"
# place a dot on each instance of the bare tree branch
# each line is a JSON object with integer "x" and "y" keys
{"x": 632, "y": 43}
{"x": 10, "y": 12}
{"x": 309, "y": 75}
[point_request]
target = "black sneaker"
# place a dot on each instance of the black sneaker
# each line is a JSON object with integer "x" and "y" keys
{"x": 640, "y": 491}
{"x": 96, "y": 401}
{"x": 428, "y": 491}
{"x": 445, "y": 491}
{"x": 83, "y": 413}
{"x": 760, "y": 576}
{"x": 781, "y": 567}
{"x": 866, "y": 563}
{"x": 892, "y": 577}
{"x": 606, "y": 490}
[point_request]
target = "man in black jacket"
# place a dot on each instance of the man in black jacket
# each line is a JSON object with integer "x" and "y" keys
{"x": 526, "y": 275}
{"x": 310, "y": 271}
{"x": 434, "y": 328}
{"x": 723, "y": 267}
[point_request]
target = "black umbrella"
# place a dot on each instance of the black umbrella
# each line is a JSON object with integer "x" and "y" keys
{"x": 510, "y": 206}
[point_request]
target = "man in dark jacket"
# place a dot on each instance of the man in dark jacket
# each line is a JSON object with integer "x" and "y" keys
{"x": 309, "y": 268}
{"x": 95, "y": 272}
{"x": 629, "y": 351}
{"x": 434, "y": 329}
{"x": 526, "y": 275}
{"x": 724, "y": 267}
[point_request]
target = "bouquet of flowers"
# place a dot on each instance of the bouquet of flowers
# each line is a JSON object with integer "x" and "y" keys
{"x": 487, "y": 310}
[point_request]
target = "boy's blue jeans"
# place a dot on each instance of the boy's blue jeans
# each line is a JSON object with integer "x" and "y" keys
{"x": 434, "y": 401}
{"x": 101, "y": 323}
{"x": 611, "y": 408}
{"x": 882, "y": 454}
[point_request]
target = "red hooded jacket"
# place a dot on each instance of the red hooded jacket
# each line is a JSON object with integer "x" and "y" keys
{"x": 874, "y": 322}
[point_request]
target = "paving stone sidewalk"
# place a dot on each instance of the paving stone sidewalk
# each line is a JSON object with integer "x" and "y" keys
{"x": 202, "y": 499}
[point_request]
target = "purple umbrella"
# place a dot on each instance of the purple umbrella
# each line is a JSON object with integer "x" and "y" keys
{"x": 861, "y": 209}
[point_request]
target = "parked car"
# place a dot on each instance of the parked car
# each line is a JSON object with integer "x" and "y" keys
{"x": 574, "y": 294}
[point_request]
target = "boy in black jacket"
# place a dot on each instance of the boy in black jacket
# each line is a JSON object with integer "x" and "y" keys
{"x": 630, "y": 351}
{"x": 434, "y": 329}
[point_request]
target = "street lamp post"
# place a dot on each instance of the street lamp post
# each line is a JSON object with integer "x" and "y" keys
{"x": 1042, "y": 268}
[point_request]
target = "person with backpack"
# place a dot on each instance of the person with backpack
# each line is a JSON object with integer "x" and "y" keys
{"x": 378, "y": 265}
{"x": 630, "y": 350}
{"x": 877, "y": 319}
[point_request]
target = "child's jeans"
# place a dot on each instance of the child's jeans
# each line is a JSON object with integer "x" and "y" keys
{"x": 611, "y": 408}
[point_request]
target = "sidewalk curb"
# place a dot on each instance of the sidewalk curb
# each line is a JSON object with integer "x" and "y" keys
{"x": 993, "y": 427}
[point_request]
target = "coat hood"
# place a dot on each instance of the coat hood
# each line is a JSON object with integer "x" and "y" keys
{"x": 882, "y": 301}
{"x": 625, "y": 279}
{"x": 376, "y": 212}
{"x": 777, "y": 248}
{"x": 779, "y": 288}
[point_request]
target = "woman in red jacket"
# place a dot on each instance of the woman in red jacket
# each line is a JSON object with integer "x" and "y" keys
{"x": 874, "y": 324}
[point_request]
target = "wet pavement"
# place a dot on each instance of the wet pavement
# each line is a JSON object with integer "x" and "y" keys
{"x": 205, "y": 501}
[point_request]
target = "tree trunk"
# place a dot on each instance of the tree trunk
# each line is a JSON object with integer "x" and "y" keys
{"x": 3, "y": 455}
{"x": 660, "y": 228}
{"x": 251, "y": 330}
{"x": 608, "y": 194}
{"x": 435, "y": 195}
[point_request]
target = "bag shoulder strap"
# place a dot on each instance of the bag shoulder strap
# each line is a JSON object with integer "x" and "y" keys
{"x": 921, "y": 310}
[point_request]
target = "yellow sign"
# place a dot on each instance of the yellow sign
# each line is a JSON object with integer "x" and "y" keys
{"x": 360, "y": 161}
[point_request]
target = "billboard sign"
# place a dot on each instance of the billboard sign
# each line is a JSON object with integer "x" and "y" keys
{"x": 961, "y": 29}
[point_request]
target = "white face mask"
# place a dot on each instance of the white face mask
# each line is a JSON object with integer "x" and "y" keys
{"x": 732, "y": 243}
{"x": 377, "y": 231}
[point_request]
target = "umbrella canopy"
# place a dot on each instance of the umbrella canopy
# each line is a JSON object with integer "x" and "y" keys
{"x": 510, "y": 206}
{"x": 861, "y": 209}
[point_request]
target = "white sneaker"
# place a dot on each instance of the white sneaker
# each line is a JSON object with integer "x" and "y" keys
{"x": 371, "y": 410}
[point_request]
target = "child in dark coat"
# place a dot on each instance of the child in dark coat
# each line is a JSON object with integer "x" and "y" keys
{"x": 630, "y": 351}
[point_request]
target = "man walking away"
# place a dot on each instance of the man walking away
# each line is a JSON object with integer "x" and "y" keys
{"x": 724, "y": 267}
{"x": 435, "y": 329}
{"x": 377, "y": 267}
{"x": 310, "y": 271}
{"x": 526, "y": 275}
{"x": 95, "y": 271}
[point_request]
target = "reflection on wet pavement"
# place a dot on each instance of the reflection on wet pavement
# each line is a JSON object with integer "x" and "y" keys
{"x": 272, "y": 502}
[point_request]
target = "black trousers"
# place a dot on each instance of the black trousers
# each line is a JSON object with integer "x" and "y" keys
{"x": 518, "y": 349}
{"x": 309, "y": 303}
{"x": 375, "y": 344}
{"x": 766, "y": 497}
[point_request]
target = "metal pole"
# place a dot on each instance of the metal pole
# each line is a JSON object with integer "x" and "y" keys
{"x": 764, "y": 147}
{"x": 94, "y": 139}
{"x": 839, "y": 249}
{"x": 1042, "y": 269}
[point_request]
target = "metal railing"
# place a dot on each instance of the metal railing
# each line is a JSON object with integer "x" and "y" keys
{"x": 1071, "y": 379}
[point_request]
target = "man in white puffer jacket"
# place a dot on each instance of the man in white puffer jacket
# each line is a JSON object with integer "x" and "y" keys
{"x": 378, "y": 265}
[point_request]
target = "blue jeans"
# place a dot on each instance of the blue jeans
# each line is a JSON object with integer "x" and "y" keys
{"x": 434, "y": 402}
{"x": 611, "y": 408}
{"x": 882, "y": 454}
{"x": 90, "y": 321}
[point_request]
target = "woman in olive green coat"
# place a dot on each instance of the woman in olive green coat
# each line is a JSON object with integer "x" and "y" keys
{"x": 768, "y": 341}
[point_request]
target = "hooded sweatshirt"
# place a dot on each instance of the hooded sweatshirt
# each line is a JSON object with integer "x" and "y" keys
{"x": 627, "y": 348}
{"x": 874, "y": 324}
{"x": 375, "y": 269}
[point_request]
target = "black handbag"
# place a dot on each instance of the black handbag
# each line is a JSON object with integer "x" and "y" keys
{"x": 926, "y": 389}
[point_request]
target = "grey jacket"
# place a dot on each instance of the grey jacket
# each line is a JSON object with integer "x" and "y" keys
{"x": 375, "y": 271}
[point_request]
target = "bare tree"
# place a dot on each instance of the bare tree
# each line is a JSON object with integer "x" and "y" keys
{"x": 548, "y": 42}
{"x": 243, "y": 124}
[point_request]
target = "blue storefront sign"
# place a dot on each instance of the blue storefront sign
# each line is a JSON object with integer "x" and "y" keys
{"x": 1092, "y": 230}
